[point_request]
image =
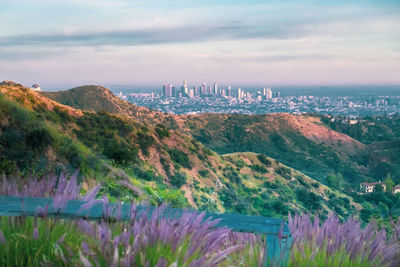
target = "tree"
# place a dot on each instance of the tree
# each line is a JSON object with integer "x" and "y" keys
{"x": 378, "y": 188}
{"x": 389, "y": 182}
{"x": 331, "y": 181}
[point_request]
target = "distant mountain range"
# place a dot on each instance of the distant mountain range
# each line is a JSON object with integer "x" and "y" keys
{"x": 255, "y": 164}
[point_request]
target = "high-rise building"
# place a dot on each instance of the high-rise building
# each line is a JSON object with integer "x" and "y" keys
{"x": 167, "y": 90}
{"x": 210, "y": 91}
{"x": 259, "y": 95}
{"x": 268, "y": 93}
{"x": 239, "y": 93}
{"x": 215, "y": 89}
{"x": 229, "y": 93}
{"x": 203, "y": 89}
{"x": 191, "y": 93}
{"x": 184, "y": 89}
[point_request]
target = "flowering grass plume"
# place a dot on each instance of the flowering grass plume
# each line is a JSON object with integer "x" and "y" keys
{"x": 148, "y": 238}
{"x": 154, "y": 239}
{"x": 341, "y": 244}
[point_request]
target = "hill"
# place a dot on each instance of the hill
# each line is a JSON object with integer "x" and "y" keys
{"x": 98, "y": 98}
{"x": 150, "y": 162}
{"x": 301, "y": 142}
{"x": 381, "y": 136}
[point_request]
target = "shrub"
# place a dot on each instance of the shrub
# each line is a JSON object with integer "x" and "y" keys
{"x": 258, "y": 168}
{"x": 178, "y": 179}
{"x": 204, "y": 173}
{"x": 232, "y": 175}
{"x": 284, "y": 172}
{"x": 310, "y": 200}
{"x": 162, "y": 131}
{"x": 264, "y": 160}
{"x": 38, "y": 138}
{"x": 145, "y": 141}
{"x": 270, "y": 185}
{"x": 147, "y": 175}
{"x": 120, "y": 152}
{"x": 180, "y": 157}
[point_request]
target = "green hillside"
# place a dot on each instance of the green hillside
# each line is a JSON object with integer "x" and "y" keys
{"x": 149, "y": 162}
{"x": 281, "y": 136}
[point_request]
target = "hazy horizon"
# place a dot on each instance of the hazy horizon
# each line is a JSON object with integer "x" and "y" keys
{"x": 309, "y": 43}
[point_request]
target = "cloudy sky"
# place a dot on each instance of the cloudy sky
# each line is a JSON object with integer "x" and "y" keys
{"x": 59, "y": 43}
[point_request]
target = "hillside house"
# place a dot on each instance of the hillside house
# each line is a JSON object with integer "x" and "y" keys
{"x": 35, "y": 87}
{"x": 396, "y": 189}
{"x": 370, "y": 187}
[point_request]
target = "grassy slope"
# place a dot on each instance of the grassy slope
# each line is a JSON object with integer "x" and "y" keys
{"x": 156, "y": 161}
{"x": 381, "y": 135}
{"x": 293, "y": 140}
{"x": 299, "y": 142}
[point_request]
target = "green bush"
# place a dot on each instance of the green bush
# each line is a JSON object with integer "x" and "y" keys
{"x": 204, "y": 173}
{"x": 120, "y": 152}
{"x": 264, "y": 160}
{"x": 39, "y": 138}
{"x": 180, "y": 157}
{"x": 232, "y": 175}
{"x": 310, "y": 200}
{"x": 178, "y": 179}
{"x": 147, "y": 175}
{"x": 258, "y": 168}
{"x": 145, "y": 141}
{"x": 162, "y": 131}
{"x": 284, "y": 172}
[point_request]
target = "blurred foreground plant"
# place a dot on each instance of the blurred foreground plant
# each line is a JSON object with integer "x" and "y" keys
{"x": 147, "y": 239}
{"x": 341, "y": 244}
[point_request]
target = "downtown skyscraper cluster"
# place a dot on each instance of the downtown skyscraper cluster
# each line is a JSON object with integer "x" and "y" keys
{"x": 205, "y": 90}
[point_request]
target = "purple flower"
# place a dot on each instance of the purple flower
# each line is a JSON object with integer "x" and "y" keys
{"x": 35, "y": 233}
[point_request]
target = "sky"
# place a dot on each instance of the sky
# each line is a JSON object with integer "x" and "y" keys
{"x": 61, "y": 44}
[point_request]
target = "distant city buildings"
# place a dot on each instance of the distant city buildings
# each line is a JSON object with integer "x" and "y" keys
{"x": 225, "y": 99}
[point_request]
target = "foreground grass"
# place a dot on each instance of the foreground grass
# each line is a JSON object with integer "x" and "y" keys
{"x": 37, "y": 241}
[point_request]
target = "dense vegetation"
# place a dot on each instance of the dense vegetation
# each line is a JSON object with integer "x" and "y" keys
{"x": 368, "y": 129}
{"x": 278, "y": 139}
{"x": 381, "y": 133}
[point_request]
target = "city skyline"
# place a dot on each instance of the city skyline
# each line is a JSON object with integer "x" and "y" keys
{"x": 58, "y": 44}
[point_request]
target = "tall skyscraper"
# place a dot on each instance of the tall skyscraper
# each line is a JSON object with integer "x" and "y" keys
{"x": 239, "y": 93}
{"x": 191, "y": 93}
{"x": 229, "y": 93}
{"x": 203, "y": 89}
{"x": 184, "y": 89}
{"x": 215, "y": 89}
{"x": 167, "y": 90}
{"x": 268, "y": 93}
